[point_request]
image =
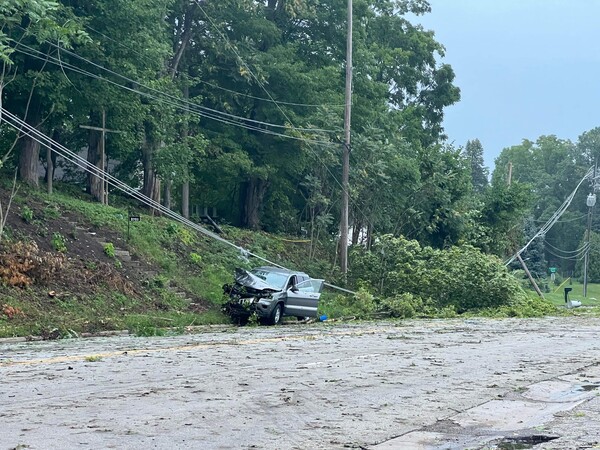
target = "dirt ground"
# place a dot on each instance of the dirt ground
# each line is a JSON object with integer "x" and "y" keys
{"x": 439, "y": 384}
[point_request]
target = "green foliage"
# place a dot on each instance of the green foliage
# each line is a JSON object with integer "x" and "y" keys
{"x": 479, "y": 173}
{"x": 27, "y": 214}
{"x": 360, "y": 306}
{"x": 524, "y": 306}
{"x": 405, "y": 306}
{"x": 196, "y": 259}
{"x": 160, "y": 281}
{"x": 109, "y": 250}
{"x": 593, "y": 258}
{"x": 462, "y": 277}
{"x": 59, "y": 242}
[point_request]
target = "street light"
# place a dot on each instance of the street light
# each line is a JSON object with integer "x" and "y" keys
{"x": 590, "y": 202}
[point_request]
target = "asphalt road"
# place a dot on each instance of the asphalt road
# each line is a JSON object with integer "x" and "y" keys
{"x": 412, "y": 384}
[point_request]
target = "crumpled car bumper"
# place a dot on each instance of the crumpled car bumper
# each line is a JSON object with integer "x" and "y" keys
{"x": 245, "y": 307}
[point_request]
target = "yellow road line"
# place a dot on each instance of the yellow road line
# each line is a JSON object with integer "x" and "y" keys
{"x": 203, "y": 345}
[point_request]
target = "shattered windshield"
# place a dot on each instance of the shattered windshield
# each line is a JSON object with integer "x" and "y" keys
{"x": 275, "y": 279}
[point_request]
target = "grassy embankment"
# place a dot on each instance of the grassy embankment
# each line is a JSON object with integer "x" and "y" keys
{"x": 175, "y": 283}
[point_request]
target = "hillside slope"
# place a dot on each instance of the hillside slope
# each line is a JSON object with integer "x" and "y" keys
{"x": 68, "y": 265}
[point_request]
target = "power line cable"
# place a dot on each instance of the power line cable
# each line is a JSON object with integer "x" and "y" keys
{"x": 561, "y": 250}
{"x": 192, "y": 105}
{"x": 76, "y": 69}
{"x": 77, "y": 160}
{"x": 260, "y": 83}
{"x": 554, "y": 218}
{"x": 576, "y": 257}
{"x": 216, "y": 86}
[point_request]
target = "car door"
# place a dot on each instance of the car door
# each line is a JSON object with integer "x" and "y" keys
{"x": 303, "y": 300}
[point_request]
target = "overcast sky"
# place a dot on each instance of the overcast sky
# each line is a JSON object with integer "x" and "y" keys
{"x": 525, "y": 68}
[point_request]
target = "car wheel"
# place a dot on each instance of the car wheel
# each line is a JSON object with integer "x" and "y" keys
{"x": 277, "y": 314}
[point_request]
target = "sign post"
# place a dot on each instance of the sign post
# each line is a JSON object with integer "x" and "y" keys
{"x": 131, "y": 218}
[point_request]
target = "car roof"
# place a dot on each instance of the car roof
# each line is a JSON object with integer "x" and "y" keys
{"x": 279, "y": 270}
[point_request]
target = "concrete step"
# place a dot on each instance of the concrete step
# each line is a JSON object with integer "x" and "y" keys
{"x": 123, "y": 255}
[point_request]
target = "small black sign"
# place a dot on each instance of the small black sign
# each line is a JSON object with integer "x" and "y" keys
{"x": 134, "y": 218}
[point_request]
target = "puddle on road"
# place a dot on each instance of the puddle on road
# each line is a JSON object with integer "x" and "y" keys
{"x": 504, "y": 424}
{"x": 559, "y": 391}
{"x": 524, "y": 442}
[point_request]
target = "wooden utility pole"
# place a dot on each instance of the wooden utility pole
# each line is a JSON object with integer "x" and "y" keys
{"x": 49, "y": 169}
{"x": 527, "y": 272}
{"x": 103, "y": 130}
{"x": 346, "y": 149}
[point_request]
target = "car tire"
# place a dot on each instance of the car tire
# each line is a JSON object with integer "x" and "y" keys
{"x": 276, "y": 314}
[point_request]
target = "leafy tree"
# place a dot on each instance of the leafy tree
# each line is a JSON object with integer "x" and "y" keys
{"x": 28, "y": 86}
{"x": 535, "y": 254}
{"x": 462, "y": 278}
{"x": 473, "y": 152}
{"x": 593, "y": 260}
{"x": 551, "y": 169}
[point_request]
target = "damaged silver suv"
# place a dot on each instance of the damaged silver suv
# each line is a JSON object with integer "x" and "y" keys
{"x": 272, "y": 293}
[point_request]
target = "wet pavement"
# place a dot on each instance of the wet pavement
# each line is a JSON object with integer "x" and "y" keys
{"x": 439, "y": 384}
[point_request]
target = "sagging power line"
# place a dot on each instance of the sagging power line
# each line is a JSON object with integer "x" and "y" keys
{"x": 24, "y": 128}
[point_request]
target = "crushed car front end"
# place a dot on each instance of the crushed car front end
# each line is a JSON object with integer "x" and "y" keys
{"x": 249, "y": 295}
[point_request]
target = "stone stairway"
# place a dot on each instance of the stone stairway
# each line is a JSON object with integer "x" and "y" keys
{"x": 129, "y": 263}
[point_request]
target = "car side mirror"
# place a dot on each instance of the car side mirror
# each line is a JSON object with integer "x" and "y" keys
{"x": 294, "y": 288}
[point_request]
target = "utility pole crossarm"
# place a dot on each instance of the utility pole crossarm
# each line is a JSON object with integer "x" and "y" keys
{"x": 103, "y": 130}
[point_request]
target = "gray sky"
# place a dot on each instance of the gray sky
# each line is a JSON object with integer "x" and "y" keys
{"x": 525, "y": 68}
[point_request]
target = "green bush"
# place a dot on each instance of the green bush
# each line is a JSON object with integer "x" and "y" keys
{"x": 361, "y": 306}
{"x": 109, "y": 250}
{"x": 403, "y": 306}
{"x": 27, "y": 214}
{"x": 459, "y": 279}
{"x": 59, "y": 243}
{"x": 196, "y": 259}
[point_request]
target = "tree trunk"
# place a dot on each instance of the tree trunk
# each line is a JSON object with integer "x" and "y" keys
{"x": 356, "y": 227}
{"x": 94, "y": 181}
{"x": 369, "y": 236}
{"x": 30, "y": 149}
{"x": 185, "y": 199}
{"x": 151, "y": 185}
{"x": 254, "y": 195}
{"x": 49, "y": 170}
{"x": 29, "y": 161}
{"x": 167, "y": 198}
{"x": 51, "y": 163}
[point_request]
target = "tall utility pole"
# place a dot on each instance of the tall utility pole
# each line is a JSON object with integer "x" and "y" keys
{"x": 346, "y": 149}
{"x": 103, "y": 130}
{"x": 591, "y": 202}
{"x": 525, "y": 268}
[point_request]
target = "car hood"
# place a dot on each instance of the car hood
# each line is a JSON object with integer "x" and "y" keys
{"x": 247, "y": 279}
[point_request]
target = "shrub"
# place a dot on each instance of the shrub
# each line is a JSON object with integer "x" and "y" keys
{"x": 403, "y": 306}
{"x": 196, "y": 259}
{"x": 459, "y": 279}
{"x": 361, "y": 306}
{"x": 27, "y": 214}
{"x": 109, "y": 250}
{"x": 59, "y": 243}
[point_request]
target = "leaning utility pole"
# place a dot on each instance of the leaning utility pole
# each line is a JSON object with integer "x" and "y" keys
{"x": 346, "y": 149}
{"x": 521, "y": 261}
